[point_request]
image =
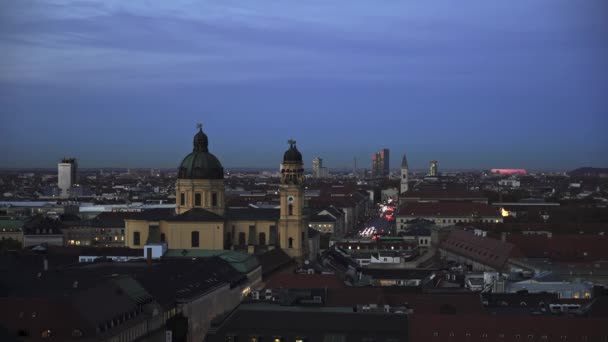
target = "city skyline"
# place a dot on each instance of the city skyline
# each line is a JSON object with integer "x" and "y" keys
{"x": 472, "y": 86}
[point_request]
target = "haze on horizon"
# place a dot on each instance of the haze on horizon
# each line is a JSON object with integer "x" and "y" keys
{"x": 517, "y": 84}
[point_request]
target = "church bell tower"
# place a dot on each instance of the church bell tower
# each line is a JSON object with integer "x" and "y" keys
{"x": 404, "y": 176}
{"x": 293, "y": 233}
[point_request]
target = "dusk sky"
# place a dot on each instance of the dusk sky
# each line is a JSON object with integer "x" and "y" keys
{"x": 473, "y": 84}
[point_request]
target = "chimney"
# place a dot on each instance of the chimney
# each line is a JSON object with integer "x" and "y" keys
{"x": 45, "y": 264}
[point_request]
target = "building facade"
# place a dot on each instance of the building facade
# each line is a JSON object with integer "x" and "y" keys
{"x": 202, "y": 220}
{"x": 67, "y": 172}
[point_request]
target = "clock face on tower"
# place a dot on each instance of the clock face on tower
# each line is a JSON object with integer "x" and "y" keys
{"x": 290, "y": 199}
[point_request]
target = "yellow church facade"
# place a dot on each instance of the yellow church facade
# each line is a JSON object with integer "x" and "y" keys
{"x": 202, "y": 221}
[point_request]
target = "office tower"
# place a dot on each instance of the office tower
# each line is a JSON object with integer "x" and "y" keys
{"x": 66, "y": 175}
{"x": 380, "y": 163}
{"x": 318, "y": 170}
{"x": 404, "y": 175}
{"x": 317, "y": 163}
{"x": 433, "y": 169}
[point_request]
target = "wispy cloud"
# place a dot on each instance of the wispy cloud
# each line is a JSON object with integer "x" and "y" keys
{"x": 225, "y": 41}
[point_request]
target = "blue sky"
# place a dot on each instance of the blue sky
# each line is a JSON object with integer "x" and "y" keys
{"x": 474, "y": 84}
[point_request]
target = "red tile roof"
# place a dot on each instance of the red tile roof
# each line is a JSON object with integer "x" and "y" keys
{"x": 505, "y": 328}
{"x": 304, "y": 281}
{"x": 448, "y": 209}
{"x": 568, "y": 247}
{"x": 488, "y": 251}
{"x": 35, "y": 315}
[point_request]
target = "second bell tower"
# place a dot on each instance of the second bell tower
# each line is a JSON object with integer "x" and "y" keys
{"x": 293, "y": 235}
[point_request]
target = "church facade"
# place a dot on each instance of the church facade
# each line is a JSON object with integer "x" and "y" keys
{"x": 202, "y": 220}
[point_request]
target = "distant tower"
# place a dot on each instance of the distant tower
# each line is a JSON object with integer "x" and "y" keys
{"x": 380, "y": 163}
{"x": 293, "y": 235}
{"x": 385, "y": 162}
{"x": 67, "y": 172}
{"x": 404, "y": 176}
{"x": 433, "y": 169}
{"x": 317, "y": 164}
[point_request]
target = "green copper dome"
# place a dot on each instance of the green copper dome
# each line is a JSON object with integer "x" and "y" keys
{"x": 200, "y": 164}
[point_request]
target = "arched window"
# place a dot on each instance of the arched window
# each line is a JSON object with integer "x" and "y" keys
{"x": 290, "y": 243}
{"x": 262, "y": 239}
{"x": 136, "y": 238}
{"x": 290, "y": 209}
{"x": 195, "y": 239}
{"x": 214, "y": 199}
{"x": 197, "y": 199}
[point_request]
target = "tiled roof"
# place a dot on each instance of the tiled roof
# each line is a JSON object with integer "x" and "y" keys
{"x": 304, "y": 281}
{"x": 242, "y": 262}
{"x": 488, "y": 251}
{"x": 274, "y": 260}
{"x": 397, "y": 273}
{"x": 505, "y": 327}
{"x": 196, "y": 215}
{"x": 111, "y": 219}
{"x": 322, "y": 218}
{"x": 313, "y": 323}
{"x": 448, "y": 209}
{"x": 155, "y": 214}
{"x": 567, "y": 247}
{"x": 465, "y": 303}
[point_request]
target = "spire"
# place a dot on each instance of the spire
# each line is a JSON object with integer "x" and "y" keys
{"x": 404, "y": 162}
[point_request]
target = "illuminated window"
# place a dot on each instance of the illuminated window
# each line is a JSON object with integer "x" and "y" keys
{"x": 278, "y": 339}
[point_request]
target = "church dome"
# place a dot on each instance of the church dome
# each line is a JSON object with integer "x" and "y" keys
{"x": 292, "y": 155}
{"x": 200, "y": 164}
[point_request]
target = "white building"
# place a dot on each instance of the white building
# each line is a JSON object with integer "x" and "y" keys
{"x": 66, "y": 175}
